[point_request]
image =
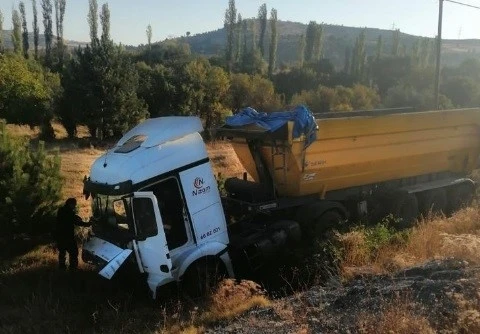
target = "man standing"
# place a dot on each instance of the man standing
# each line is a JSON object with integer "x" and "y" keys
{"x": 64, "y": 233}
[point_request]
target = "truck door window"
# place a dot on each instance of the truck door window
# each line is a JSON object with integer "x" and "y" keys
{"x": 172, "y": 208}
{"x": 144, "y": 217}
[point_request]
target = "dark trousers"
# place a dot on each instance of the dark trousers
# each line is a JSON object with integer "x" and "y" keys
{"x": 69, "y": 247}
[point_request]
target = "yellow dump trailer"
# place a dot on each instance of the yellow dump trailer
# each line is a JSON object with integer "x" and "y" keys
{"x": 356, "y": 149}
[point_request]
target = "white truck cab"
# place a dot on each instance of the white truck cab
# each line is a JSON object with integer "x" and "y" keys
{"x": 155, "y": 200}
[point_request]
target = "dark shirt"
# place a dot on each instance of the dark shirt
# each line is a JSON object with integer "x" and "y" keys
{"x": 66, "y": 221}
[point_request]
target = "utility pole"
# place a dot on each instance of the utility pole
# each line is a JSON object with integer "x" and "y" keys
{"x": 439, "y": 51}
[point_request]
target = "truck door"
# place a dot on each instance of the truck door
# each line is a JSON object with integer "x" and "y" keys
{"x": 150, "y": 242}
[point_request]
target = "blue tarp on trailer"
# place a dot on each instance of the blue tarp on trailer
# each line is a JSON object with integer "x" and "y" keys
{"x": 304, "y": 121}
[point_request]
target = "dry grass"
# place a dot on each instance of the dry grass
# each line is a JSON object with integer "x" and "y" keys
{"x": 37, "y": 298}
{"x": 433, "y": 238}
{"x": 232, "y": 299}
{"x": 396, "y": 317}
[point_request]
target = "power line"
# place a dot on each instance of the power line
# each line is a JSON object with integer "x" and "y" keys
{"x": 462, "y": 4}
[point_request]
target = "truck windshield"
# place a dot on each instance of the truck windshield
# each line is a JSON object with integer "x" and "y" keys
{"x": 112, "y": 213}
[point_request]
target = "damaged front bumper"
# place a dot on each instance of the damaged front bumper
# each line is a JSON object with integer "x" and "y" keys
{"x": 104, "y": 255}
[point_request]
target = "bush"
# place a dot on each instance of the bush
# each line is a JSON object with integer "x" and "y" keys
{"x": 30, "y": 185}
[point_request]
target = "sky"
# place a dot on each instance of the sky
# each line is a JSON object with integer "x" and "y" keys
{"x": 129, "y": 19}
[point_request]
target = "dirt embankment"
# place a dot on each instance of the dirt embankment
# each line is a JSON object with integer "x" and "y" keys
{"x": 439, "y": 296}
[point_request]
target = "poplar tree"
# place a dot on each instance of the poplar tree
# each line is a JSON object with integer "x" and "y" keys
{"x": 105, "y": 21}
{"x": 396, "y": 42}
{"x": 48, "y": 32}
{"x": 60, "y": 6}
{"x": 238, "y": 38}
{"x": 24, "y": 30}
{"x": 312, "y": 41}
{"x": 253, "y": 28}
{"x": 318, "y": 42}
{"x": 35, "y": 28}
{"x": 16, "y": 32}
{"x": 92, "y": 19}
{"x": 379, "y": 49}
{"x": 272, "y": 56}
{"x": 262, "y": 18}
{"x": 229, "y": 23}
{"x": 245, "y": 36}
{"x": 1, "y": 32}
{"x": 301, "y": 50}
{"x": 149, "y": 36}
{"x": 359, "y": 57}
{"x": 348, "y": 56}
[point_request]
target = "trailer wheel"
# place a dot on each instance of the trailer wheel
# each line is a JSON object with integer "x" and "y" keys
{"x": 404, "y": 207}
{"x": 292, "y": 228}
{"x": 459, "y": 197}
{"x": 203, "y": 276}
{"x": 327, "y": 221}
{"x": 433, "y": 202}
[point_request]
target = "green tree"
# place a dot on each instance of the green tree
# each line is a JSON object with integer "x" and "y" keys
{"x": 245, "y": 37}
{"x": 149, "y": 36}
{"x": 253, "y": 63}
{"x": 301, "y": 50}
{"x": 425, "y": 52}
{"x": 359, "y": 58}
{"x": 92, "y": 19}
{"x": 262, "y": 19}
{"x": 158, "y": 89}
{"x": 16, "y": 32}
{"x": 253, "y": 30}
{"x": 238, "y": 38}
{"x": 294, "y": 80}
{"x": 272, "y": 56}
{"x": 1, "y": 34}
{"x": 379, "y": 48}
{"x": 318, "y": 100}
{"x": 314, "y": 37}
{"x": 318, "y": 43}
{"x": 48, "y": 30}
{"x": 60, "y": 6}
{"x": 340, "y": 98}
{"x": 396, "y": 43}
{"x": 105, "y": 40}
{"x": 30, "y": 185}
{"x": 462, "y": 91}
{"x": 100, "y": 91}
{"x": 348, "y": 59}
{"x": 27, "y": 91}
{"x": 252, "y": 91}
{"x": 36, "y": 36}
{"x": 24, "y": 30}
{"x": 230, "y": 24}
{"x": 204, "y": 90}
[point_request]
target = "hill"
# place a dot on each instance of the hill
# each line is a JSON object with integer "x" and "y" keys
{"x": 336, "y": 39}
{"x": 7, "y": 40}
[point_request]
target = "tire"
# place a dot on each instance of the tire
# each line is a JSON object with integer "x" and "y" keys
{"x": 326, "y": 222}
{"x": 403, "y": 207}
{"x": 432, "y": 202}
{"x": 292, "y": 228}
{"x": 459, "y": 197}
{"x": 203, "y": 276}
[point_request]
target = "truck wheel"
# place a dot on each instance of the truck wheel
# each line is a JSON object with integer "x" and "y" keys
{"x": 203, "y": 276}
{"x": 404, "y": 207}
{"x": 327, "y": 221}
{"x": 292, "y": 228}
{"x": 432, "y": 202}
{"x": 459, "y": 197}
